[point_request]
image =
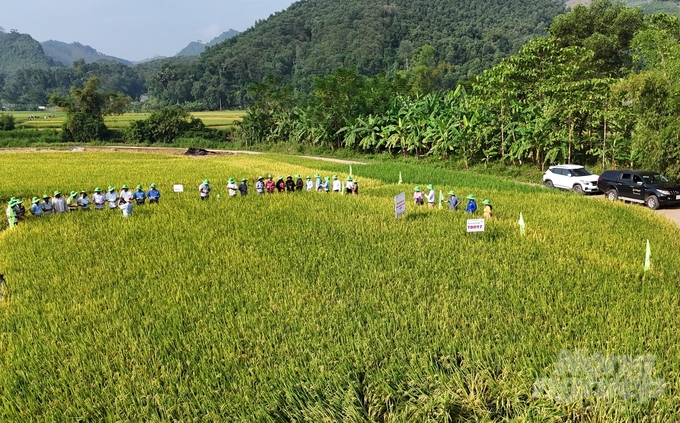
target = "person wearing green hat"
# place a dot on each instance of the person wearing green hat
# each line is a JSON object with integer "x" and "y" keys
{"x": 154, "y": 194}
{"x": 36, "y": 210}
{"x": 243, "y": 187}
{"x": 337, "y": 184}
{"x": 259, "y": 185}
{"x": 471, "y": 205}
{"x": 125, "y": 193}
{"x": 298, "y": 182}
{"x": 46, "y": 205}
{"x": 453, "y": 201}
{"x": 417, "y": 196}
{"x": 112, "y": 197}
{"x": 431, "y": 196}
{"x": 270, "y": 186}
{"x": 83, "y": 201}
{"x": 204, "y": 189}
{"x": 318, "y": 183}
{"x": 349, "y": 185}
{"x": 19, "y": 209}
{"x": 72, "y": 201}
{"x": 139, "y": 196}
{"x": 59, "y": 202}
{"x": 327, "y": 185}
{"x": 98, "y": 199}
{"x": 280, "y": 185}
{"x": 232, "y": 188}
{"x": 290, "y": 184}
{"x": 12, "y": 218}
{"x": 309, "y": 184}
{"x": 487, "y": 209}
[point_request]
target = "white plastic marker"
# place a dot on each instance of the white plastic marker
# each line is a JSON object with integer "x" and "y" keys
{"x": 648, "y": 257}
{"x": 400, "y": 177}
{"x": 521, "y": 223}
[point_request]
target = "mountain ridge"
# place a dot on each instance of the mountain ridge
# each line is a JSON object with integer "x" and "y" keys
{"x": 68, "y": 53}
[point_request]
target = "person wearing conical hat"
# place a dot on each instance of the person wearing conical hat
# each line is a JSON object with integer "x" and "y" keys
{"x": 154, "y": 194}
{"x": 36, "y": 210}
{"x": 280, "y": 184}
{"x": 46, "y": 205}
{"x": 309, "y": 184}
{"x": 83, "y": 201}
{"x": 431, "y": 196}
{"x": 290, "y": 184}
{"x": 72, "y": 201}
{"x": 318, "y": 182}
{"x": 232, "y": 188}
{"x": 125, "y": 193}
{"x": 349, "y": 185}
{"x": 112, "y": 197}
{"x": 453, "y": 201}
{"x": 471, "y": 205}
{"x": 98, "y": 199}
{"x": 139, "y": 196}
{"x": 243, "y": 187}
{"x": 59, "y": 202}
{"x": 298, "y": 182}
{"x": 337, "y": 184}
{"x": 417, "y": 196}
{"x": 270, "y": 185}
{"x": 327, "y": 185}
{"x": 487, "y": 209}
{"x": 204, "y": 189}
{"x": 259, "y": 185}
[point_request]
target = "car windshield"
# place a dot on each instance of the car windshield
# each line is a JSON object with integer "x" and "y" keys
{"x": 655, "y": 178}
{"x": 581, "y": 172}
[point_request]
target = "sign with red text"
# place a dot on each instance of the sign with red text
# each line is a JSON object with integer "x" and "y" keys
{"x": 400, "y": 205}
{"x": 475, "y": 225}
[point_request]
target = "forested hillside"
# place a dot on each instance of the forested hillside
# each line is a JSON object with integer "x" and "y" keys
{"x": 69, "y": 53}
{"x": 315, "y": 37}
{"x": 21, "y": 51}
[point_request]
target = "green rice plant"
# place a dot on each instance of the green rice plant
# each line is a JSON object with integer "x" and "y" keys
{"x": 320, "y": 307}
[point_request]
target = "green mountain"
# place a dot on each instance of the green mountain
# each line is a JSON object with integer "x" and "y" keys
{"x": 21, "y": 51}
{"x": 314, "y": 37}
{"x": 195, "y": 47}
{"x": 69, "y": 53}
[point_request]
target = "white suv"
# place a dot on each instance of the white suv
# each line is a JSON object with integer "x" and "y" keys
{"x": 572, "y": 177}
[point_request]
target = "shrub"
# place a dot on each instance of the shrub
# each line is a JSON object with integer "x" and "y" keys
{"x": 7, "y": 122}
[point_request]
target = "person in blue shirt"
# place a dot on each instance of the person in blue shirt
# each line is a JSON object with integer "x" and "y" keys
{"x": 471, "y": 205}
{"x": 319, "y": 182}
{"x": 454, "y": 201}
{"x": 153, "y": 194}
{"x": 36, "y": 210}
{"x": 139, "y": 195}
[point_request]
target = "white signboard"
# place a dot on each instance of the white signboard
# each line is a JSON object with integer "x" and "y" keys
{"x": 475, "y": 225}
{"x": 178, "y": 188}
{"x": 400, "y": 205}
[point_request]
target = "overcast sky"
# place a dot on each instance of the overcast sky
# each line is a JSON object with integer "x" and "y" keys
{"x": 134, "y": 29}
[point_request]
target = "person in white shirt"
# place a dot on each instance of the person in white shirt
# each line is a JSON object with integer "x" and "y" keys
{"x": 112, "y": 198}
{"x": 309, "y": 184}
{"x": 204, "y": 189}
{"x": 126, "y": 194}
{"x": 46, "y": 205}
{"x": 349, "y": 186}
{"x": 126, "y": 207}
{"x": 431, "y": 196}
{"x": 59, "y": 203}
{"x": 232, "y": 187}
{"x": 98, "y": 199}
{"x": 337, "y": 184}
{"x": 84, "y": 202}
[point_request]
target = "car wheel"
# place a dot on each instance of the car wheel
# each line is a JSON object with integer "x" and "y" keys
{"x": 578, "y": 189}
{"x": 612, "y": 194}
{"x": 652, "y": 202}
{"x": 548, "y": 183}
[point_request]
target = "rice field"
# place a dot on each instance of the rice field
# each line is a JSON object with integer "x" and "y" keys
{"x": 54, "y": 120}
{"x": 323, "y": 307}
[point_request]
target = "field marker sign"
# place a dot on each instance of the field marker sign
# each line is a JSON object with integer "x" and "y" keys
{"x": 178, "y": 188}
{"x": 400, "y": 205}
{"x": 475, "y": 225}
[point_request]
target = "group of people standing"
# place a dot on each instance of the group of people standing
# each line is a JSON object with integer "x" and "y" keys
{"x": 454, "y": 201}
{"x": 80, "y": 201}
{"x": 269, "y": 186}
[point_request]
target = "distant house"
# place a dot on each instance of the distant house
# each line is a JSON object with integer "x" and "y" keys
{"x": 143, "y": 98}
{"x": 42, "y": 108}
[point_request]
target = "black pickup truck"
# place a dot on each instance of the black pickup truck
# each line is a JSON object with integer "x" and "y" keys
{"x": 639, "y": 186}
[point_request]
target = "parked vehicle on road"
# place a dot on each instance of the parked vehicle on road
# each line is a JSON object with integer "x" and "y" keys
{"x": 639, "y": 186}
{"x": 572, "y": 177}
